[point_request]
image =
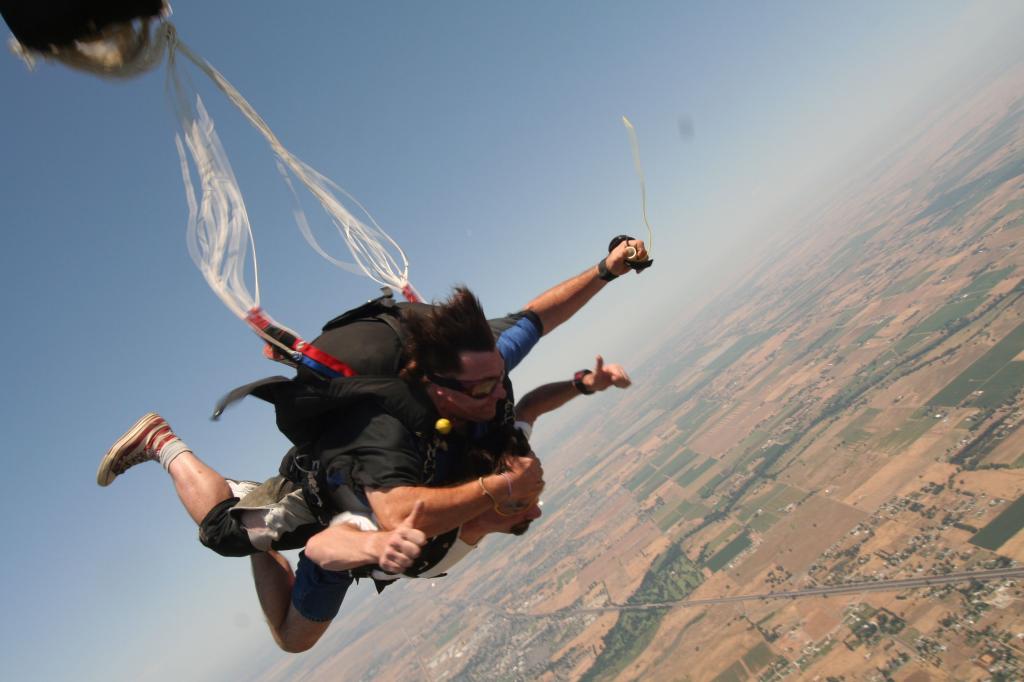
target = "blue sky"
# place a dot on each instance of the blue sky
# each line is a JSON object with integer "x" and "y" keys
{"x": 485, "y": 137}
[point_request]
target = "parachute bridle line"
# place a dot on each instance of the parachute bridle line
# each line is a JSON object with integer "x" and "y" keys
{"x": 373, "y": 260}
{"x": 640, "y": 174}
{"x": 364, "y": 241}
{"x": 220, "y": 237}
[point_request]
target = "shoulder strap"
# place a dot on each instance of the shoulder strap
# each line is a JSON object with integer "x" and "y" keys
{"x": 384, "y": 306}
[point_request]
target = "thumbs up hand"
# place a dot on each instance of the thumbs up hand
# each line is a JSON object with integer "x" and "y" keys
{"x": 399, "y": 548}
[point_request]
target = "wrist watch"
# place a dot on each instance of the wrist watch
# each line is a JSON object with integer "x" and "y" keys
{"x": 603, "y": 272}
{"x": 577, "y": 381}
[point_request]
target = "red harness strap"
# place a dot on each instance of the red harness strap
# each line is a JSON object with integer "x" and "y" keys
{"x": 261, "y": 323}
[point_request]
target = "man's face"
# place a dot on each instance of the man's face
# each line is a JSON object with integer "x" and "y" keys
{"x": 520, "y": 523}
{"x": 478, "y": 367}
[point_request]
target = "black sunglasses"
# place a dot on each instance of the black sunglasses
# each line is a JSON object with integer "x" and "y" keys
{"x": 474, "y": 389}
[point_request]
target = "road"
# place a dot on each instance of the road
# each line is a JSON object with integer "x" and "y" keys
{"x": 825, "y": 591}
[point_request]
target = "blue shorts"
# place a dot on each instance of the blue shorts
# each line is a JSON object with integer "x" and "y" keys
{"x": 318, "y": 593}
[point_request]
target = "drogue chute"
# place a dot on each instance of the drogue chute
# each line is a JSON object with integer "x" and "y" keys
{"x": 121, "y": 39}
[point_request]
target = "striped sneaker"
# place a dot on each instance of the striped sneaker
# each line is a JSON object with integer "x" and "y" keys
{"x": 141, "y": 443}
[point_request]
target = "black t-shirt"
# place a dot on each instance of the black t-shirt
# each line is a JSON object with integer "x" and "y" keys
{"x": 369, "y": 448}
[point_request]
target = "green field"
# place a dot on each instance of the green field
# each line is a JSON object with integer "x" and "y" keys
{"x": 739, "y": 349}
{"x": 684, "y": 511}
{"x": 1002, "y": 527}
{"x": 1011, "y": 207}
{"x": 763, "y": 522}
{"x": 650, "y": 485}
{"x": 910, "y": 340}
{"x": 854, "y": 431}
{"x": 695, "y": 417}
{"x": 728, "y": 553}
{"x": 640, "y": 477}
{"x": 665, "y": 453}
{"x": 988, "y": 368}
{"x": 773, "y": 501}
{"x": 965, "y": 301}
{"x": 753, "y": 440}
{"x": 835, "y": 330}
{"x": 1002, "y": 387}
{"x": 734, "y": 673}
{"x": 709, "y": 488}
{"x": 685, "y": 361}
{"x": 758, "y": 657}
{"x": 870, "y": 331}
{"x": 957, "y": 202}
{"x": 852, "y": 251}
{"x": 985, "y": 281}
{"x": 722, "y": 538}
{"x": 694, "y": 472}
{"x": 916, "y": 425}
{"x": 961, "y": 307}
{"x": 906, "y": 285}
{"x": 679, "y": 463}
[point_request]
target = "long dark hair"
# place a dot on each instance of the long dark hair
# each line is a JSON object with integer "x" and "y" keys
{"x": 436, "y": 335}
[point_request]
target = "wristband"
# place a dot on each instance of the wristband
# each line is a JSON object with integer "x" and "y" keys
{"x": 486, "y": 491}
{"x": 603, "y": 272}
{"x": 497, "y": 508}
{"x": 577, "y": 381}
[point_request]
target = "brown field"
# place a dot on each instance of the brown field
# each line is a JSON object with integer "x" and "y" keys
{"x": 820, "y": 622}
{"x": 1006, "y": 484}
{"x": 1014, "y": 547}
{"x": 895, "y": 473}
{"x": 725, "y": 433}
{"x": 828, "y": 520}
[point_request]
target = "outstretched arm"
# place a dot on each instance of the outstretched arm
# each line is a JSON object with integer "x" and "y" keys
{"x": 552, "y": 396}
{"x": 560, "y": 302}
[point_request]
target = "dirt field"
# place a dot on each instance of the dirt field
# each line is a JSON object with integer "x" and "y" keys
{"x": 797, "y": 540}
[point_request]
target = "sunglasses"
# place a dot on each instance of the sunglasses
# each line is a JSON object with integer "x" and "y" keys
{"x": 474, "y": 389}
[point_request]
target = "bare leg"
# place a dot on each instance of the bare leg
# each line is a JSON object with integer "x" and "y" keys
{"x": 150, "y": 439}
{"x": 274, "y": 578}
{"x": 199, "y": 487}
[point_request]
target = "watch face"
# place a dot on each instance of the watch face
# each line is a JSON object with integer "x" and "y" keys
{"x": 577, "y": 381}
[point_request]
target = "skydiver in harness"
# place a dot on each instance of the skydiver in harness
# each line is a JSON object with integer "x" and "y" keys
{"x": 422, "y": 455}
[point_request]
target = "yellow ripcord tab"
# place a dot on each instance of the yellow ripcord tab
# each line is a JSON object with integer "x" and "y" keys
{"x": 443, "y": 426}
{"x": 643, "y": 186}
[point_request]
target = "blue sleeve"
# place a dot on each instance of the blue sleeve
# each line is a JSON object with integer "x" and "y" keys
{"x": 517, "y": 341}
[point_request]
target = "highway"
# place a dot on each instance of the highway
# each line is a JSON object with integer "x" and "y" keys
{"x": 824, "y": 591}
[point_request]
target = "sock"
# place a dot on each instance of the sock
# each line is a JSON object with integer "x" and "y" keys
{"x": 168, "y": 447}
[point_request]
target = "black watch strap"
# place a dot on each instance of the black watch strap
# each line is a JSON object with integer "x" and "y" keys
{"x": 577, "y": 381}
{"x": 603, "y": 272}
